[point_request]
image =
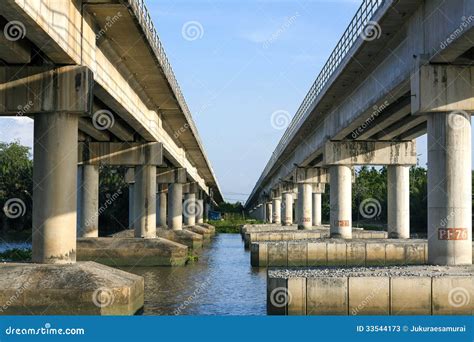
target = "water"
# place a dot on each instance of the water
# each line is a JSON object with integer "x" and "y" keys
{"x": 220, "y": 283}
{"x": 5, "y": 246}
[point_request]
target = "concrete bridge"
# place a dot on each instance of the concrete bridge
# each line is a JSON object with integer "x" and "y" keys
{"x": 401, "y": 69}
{"x": 95, "y": 78}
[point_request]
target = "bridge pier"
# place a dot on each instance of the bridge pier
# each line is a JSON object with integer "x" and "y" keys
{"x": 130, "y": 180}
{"x": 88, "y": 198}
{"x": 175, "y": 206}
{"x": 145, "y": 201}
{"x": 318, "y": 190}
{"x": 269, "y": 212}
{"x": 200, "y": 211}
{"x": 341, "y": 201}
{"x": 162, "y": 205}
{"x": 189, "y": 206}
{"x": 398, "y": 201}
{"x": 288, "y": 212}
{"x": 276, "y": 204}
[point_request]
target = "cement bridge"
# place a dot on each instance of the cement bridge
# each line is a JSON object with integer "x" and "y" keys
{"x": 401, "y": 69}
{"x": 95, "y": 78}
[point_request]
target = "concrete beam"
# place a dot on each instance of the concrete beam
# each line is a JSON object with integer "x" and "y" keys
{"x": 369, "y": 153}
{"x": 130, "y": 154}
{"x": 166, "y": 176}
{"x": 442, "y": 88}
{"x": 38, "y": 90}
{"x": 310, "y": 175}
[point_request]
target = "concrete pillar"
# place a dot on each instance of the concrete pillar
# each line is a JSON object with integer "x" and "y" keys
{"x": 189, "y": 209}
{"x": 55, "y": 188}
{"x": 88, "y": 201}
{"x": 263, "y": 212}
{"x": 145, "y": 201}
{"x": 269, "y": 212}
{"x": 175, "y": 206}
{"x": 295, "y": 210}
{"x": 398, "y": 201}
{"x": 200, "y": 211}
{"x": 341, "y": 201}
{"x": 304, "y": 207}
{"x": 288, "y": 210}
{"x": 276, "y": 210}
{"x": 162, "y": 206}
{"x": 449, "y": 189}
{"x": 316, "y": 209}
{"x": 131, "y": 204}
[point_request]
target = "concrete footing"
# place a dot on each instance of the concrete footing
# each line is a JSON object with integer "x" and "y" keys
{"x": 409, "y": 290}
{"x": 253, "y": 228}
{"x": 204, "y": 232}
{"x": 184, "y": 237}
{"x": 339, "y": 253}
{"x": 82, "y": 288}
{"x": 210, "y": 227}
{"x": 314, "y": 233}
{"x": 132, "y": 251}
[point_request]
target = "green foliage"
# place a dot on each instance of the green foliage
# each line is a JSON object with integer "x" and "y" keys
{"x": 16, "y": 254}
{"x": 231, "y": 225}
{"x": 16, "y": 182}
{"x": 191, "y": 258}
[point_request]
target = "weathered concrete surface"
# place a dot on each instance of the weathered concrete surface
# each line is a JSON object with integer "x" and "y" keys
{"x": 184, "y": 237}
{"x": 314, "y": 233}
{"x": 83, "y": 288}
{"x": 132, "y": 251}
{"x": 407, "y": 290}
{"x": 253, "y": 228}
{"x": 335, "y": 252}
{"x": 204, "y": 232}
{"x": 210, "y": 227}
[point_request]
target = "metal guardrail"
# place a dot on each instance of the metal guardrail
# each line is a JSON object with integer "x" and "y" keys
{"x": 353, "y": 31}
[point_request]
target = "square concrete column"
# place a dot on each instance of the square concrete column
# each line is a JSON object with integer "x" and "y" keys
{"x": 145, "y": 201}
{"x": 162, "y": 205}
{"x": 341, "y": 201}
{"x": 304, "y": 207}
{"x": 130, "y": 180}
{"x": 200, "y": 211}
{"x": 88, "y": 201}
{"x": 175, "y": 206}
{"x": 189, "y": 209}
{"x": 295, "y": 210}
{"x": 398, "y": 201}
{"x": 288, "y": 209}
{"x": 449, "y": 189}
{"x": 318, "y": 190}
{"x": 55, "y": 188}
{"x": 276, "y": 205}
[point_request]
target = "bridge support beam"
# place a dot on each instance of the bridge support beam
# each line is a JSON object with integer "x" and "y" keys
{"x": 162, "y": 205}
{"x": 318, "y": 190}
{"x": 88, "y": 198}
{"x": 341, "y": 201}
{"x": 398, "y": 201}
{"x": 145, "y": 201}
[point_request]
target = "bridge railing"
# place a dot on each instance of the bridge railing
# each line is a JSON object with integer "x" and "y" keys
{"x": 353, "y": 31}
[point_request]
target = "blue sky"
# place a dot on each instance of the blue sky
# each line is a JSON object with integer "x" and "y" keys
{"x": 251, "y": 58}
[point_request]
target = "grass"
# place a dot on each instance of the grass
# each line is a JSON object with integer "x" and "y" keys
{"x": 16, "y": 254}
{"x": 230, "y": 225}
{"x": 191, "y": 257}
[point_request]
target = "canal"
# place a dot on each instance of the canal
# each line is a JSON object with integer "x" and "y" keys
{"x": 220, "y": 283}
